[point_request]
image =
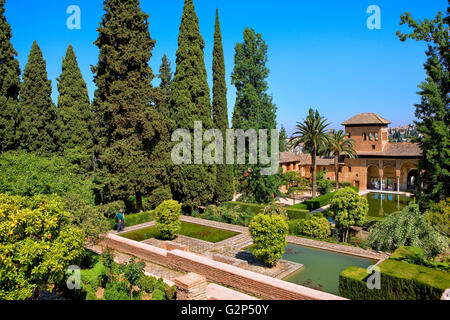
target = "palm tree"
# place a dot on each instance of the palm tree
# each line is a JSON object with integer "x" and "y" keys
{"x": 312, "y": 132}
{"x": 338, "y": 145}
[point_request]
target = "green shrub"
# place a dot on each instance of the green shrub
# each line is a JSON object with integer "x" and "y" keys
{"x": 439, "y": 217}
{"x": 147, "y": 284}
{"x": 116, "y": 291}
{"x": 269, "y": 237}
{"x": 314, "y": 227}
{"x": 168, "y": 219}
{"x": 295, "y": 214}
{"x": 171, "y": 293}
{"x": 27, "y": 174}
{"x": 95, "y": 277}
{"x": 399, "y": 281}
{"x": 158, "y": 295}
{"x": 408, "y": 228}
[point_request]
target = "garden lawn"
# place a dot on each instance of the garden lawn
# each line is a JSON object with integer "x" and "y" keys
{"x": 187, "y": 229}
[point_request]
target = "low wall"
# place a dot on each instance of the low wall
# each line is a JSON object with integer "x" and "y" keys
{"x": 244, "y": 280}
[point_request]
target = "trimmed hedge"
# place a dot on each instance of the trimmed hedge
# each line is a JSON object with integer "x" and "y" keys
{"x": 136, "y": 219}
{"x": 254, "y": 209}
{"x": 318, "y": 202}
{"x": 400, "y": 280}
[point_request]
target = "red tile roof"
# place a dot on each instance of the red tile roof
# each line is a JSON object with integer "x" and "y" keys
{"x": 304, "y": 159}
{"x": 404, "y": 149}
{"x": 366, "y": 119}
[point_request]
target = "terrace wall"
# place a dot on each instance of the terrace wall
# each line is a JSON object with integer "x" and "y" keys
{"x": 247, "y": 281}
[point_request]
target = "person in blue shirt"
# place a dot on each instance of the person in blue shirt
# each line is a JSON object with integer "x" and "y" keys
{"x": 120, "y": 219}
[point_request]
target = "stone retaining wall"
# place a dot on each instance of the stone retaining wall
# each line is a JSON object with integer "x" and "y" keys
{"x": 244, "y": 280}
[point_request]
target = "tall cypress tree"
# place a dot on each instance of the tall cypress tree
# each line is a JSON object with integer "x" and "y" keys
{"x": 37, "y": 114}
{"x": 193, "y": 185}
{"x": 128, "y": 126}
{"x": 254, "y": 109}
{"x": 224, "y": 185}
{"x": 9, "y": 85}
{"x": 433, "y": 112}
{"x": 74, "y": 116}
{"x": 165, "y": 75}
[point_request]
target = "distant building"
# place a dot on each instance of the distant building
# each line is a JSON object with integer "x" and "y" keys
{"x": 380, "y": 164}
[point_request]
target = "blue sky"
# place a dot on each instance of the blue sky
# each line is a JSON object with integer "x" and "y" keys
{"x": 321, "y": 53}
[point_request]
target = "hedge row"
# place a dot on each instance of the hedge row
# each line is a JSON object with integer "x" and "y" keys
{"x": 135, "y": 219}
{"x": 318, "y": 202}
{"x": 400, "y": 280}
{"x": 254, "y": 209}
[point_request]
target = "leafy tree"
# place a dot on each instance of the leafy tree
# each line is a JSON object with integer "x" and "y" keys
{"x": 276, "y": 209}
{"x": 9, "y": 85}
{"x": 315, "y": 227}
{"x": 323, "y": 185}
{"x": 134, "y": 271}
{"x": 192, "y": 185}
{"x": 283, "y": 140}
{"x": 38, "y": 244}
{"x": 27, "y": 174}
{"x": 348, "y": 209}
{"x": 129, "y": 129}
{"x": 168, "y": 219}
{"x": 312, "y": 132}
{"x": 74, "y": 116}
{"x": 439, "y": 217}
{"x": 338, "y": 145}
{"x": 224, "y": 189}
{"x": 254, "y": 109}
{"x": 409, "y": 228}
{"x": 269, "y": 236}
{"x": 37, "y": 114}
{"x": 294, "y": 183}
{"x": 433, "y": 113}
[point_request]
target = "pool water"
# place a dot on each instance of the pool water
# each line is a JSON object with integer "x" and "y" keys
{"x": 383, "y": 204}
{"x": 321, "y": 268}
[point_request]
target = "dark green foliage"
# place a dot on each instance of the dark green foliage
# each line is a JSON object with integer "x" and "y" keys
{"x": 130, "y": 132}
{"x": 158, "y": 295}
{"x": 433, "y": 113}
{"x": 9, "y": 85}
{"x": 254, "y": 109}
{"x": 283, "y": 140}
{"x": 36, "y": 130}
{"x": 74, "y": 116}
{"x": 116, "y": 291}
{"x": 192, "y": 185}
{"x": 224, "y": 190}
{"x": 400, "y": 280}
{"x": 165, "y": 75}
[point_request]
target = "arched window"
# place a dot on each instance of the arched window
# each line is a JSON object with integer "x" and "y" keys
{"x": 376, "y": 136}
{"x": 365, "y": 136}
{"x": 370, "y": 136}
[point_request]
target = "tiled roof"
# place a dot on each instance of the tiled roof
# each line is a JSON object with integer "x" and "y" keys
{"x": 366, "y": 118}
{"x": 304, "y": 159}
{"x": 404, "y": 149}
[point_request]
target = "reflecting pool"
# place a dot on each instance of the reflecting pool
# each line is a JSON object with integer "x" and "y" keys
{"x": 382, "y": 204}
{"x": 321, "y": 268}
